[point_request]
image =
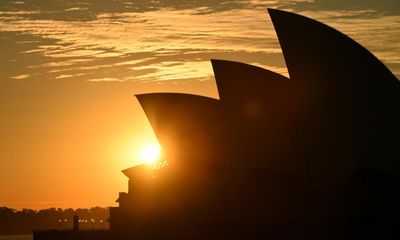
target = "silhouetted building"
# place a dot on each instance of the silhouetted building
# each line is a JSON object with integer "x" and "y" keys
{"x": 311, "y": 157}
{"x": 136, "y": 205}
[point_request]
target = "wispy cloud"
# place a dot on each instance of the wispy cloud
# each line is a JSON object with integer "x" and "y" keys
{"x": 105, "y": 80}
{"x": 20, "y": 77}
{"x": 131, "y": 42}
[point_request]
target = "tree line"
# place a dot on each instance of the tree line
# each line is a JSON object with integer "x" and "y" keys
{"x": 24, "y": 221}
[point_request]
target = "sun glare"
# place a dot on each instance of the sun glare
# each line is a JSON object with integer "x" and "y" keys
{"x": 150, "y": 153}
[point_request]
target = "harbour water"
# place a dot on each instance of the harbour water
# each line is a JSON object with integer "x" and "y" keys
{"x": 17, "y": 237}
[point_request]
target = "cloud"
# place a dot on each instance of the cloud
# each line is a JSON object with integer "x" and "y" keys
{"x": 128, "y": 43}
{"x": 21, "y": 76}
{"x": 382, "y": 7}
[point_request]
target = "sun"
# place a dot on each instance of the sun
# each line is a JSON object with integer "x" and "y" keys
{"x": 150, "y": 153}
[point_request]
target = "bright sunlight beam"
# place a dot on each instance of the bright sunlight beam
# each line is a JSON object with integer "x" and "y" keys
{"x": 150, "y": 153}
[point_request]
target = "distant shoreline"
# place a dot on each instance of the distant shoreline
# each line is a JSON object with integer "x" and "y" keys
{"x": 22, "y": 222}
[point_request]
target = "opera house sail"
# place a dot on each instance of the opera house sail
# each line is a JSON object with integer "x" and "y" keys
{"x": 351, "y": 99}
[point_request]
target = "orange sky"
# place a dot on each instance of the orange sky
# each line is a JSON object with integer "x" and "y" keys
{"x": 66, "y": 143}
{"x": 69, "y": 71}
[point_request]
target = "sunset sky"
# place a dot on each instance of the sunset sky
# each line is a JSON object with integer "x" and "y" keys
{"x": 69, "y": 70}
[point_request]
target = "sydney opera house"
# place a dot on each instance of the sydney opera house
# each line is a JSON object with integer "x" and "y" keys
{"x": 315, "y": 155}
